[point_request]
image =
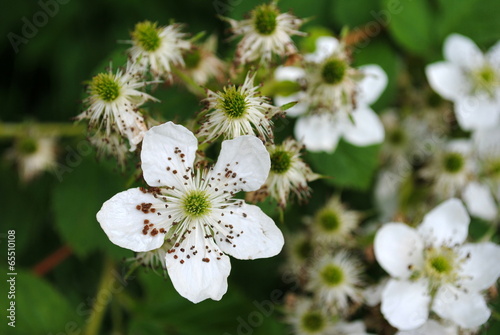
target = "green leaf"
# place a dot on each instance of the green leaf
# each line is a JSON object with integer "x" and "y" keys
{"x": 76, "y": 201}
{"x": 410, "y": 23}
{"x": 39, "y": 308}
{"x": 349, "y": 166}
{"x": 353, "y": 13}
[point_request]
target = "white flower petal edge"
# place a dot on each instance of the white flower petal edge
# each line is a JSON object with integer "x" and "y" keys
{"x": 479, "y": 201}
{"x": 317, "y": 132}
{"x": 406, "y": 304}
{"x": 367, "y": 128}
{"x": 159, "y": 148}
{"x": 197, "y": 279}
{"x": 123, "y": 222}
{"x": 325, "y": 47}
{"x": 372, "y": 85}
{"x": 493, "y": 54}
{"x": 397, "y": 239}
{"x": 447, "y": 80}
{"x": 446, "y": 224}
{"x": 247, "y": 159}
{"x": 468, "y": 310}
{"x": 482, "y": 266}
{"x": 431, "y": 327}
{"x": 261, "y": 237}
{"x": 474, "y": 113}
{"x": 462, "y": 51}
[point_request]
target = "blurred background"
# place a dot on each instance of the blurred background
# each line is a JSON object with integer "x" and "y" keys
{"x": 70, "y": 278}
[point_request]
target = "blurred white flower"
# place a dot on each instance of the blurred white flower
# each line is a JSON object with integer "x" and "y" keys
{"x": 202, "y": 64}
{"x": 265, "y": 33}
{"x": 33, "y": 155}
{"x": 238, "y": 111}
{"x": 113, "y": 103}
{"x": 289, "y": 173}
{"x": 432, "y": 327}
{"x": 471, "y": 80}
{"x": 194, "y": 210}
{"x": 157, "y": 48}
{"x": 432, "y": 268}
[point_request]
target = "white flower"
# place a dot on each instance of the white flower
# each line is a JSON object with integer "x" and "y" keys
{"x": 299, "y": 249}
{"x": 337, "y": 97}
{"x": 33, "y": 155}
{"x": 113, "y": 103}
{"x": 471, "y": 80}
{"x": 265, "y": 33}
{"x": 432, "y": 327}
{"x": 194, "y": 210}
{"x": 288, "y": 173}
{"x": 334, "y": 223}
{"x": 433, "y": 269}
{"x": 158, "y": 48}
{"x": 238, "y": 111}
{"x": 336, "y": 280}
{"x": 487, "y": 147}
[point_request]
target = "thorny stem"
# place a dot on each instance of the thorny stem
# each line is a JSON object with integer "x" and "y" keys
{"x": 53, "y": 260}
{"x": 98, "y": 310}
{"x": 41, "y": 129}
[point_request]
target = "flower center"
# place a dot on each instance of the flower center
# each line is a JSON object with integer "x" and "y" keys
{"x": 492, "y": 168}
{"x": 313, "y": 321}
{"x": 440, "y": 265}
{"x": 146, "y": 36}
{"x": 281, "y": 161}
{"x": 453, "y": 162}
{"x": 196, "y": 204}
{"x": 27, "y": 146}
{"x": 264, "y": 19}
{"x": 192, "y": 59}
{"x": 396, "y": 137}
{"x": 303, "y": 249}
{"x": 105, "y": 86}
{"x": 333, "y": 71}
{"x": 485, "y": 79}
{"x": 329, "y": 220}
{"x": 233, "y": 103}
{"x": 332, "y": 275}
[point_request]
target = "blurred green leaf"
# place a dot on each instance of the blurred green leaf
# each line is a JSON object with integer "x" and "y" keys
{"x": 39, "y": 308}
{"x": 78, "y": 198}
{"x": 349, "y": 166}
{"x": 353, "y": 13}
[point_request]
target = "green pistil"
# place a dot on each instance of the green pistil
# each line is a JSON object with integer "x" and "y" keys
{"x": 333, "y": 71}
{"x": 313, "y": 321}
{"x": 329, "y": 220}
{"x": 281, "y": 161}
{"x": 196, "y": 204}
{"x": 146, "y": 36}
{"x": 192, "y": 59}
{"x": 303, "y": 249}
{"x": 441, "y": 264}
{"x": 233, "y": 103}
{"x": 492, "y": 169}
{"x": 396, "y": 137}
{"x": 264, "y": 19}
{"x": 332, "y": 275}
{"x": 105, "y": 86}
{"x": 27, "y": 146}
{"x": 453, "y": 162}
{"x": 486, "y": 79}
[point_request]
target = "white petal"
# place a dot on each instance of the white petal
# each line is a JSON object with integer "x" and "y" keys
{"x": 299, "y": 108}
{"x": 161, "y": 143}
{"x": 317, "y": 132}
{"x": 351, "y": 328}
{"x": 247, "y": 159}
{"x": 468, "y": 310}
{"x": 479, "y": 201}
{"x": 448, "y": 80}
{"x": 447, "y": 224}
{"x": 367, "y": 128}
{"x": 481, "y": 268}
{"x": 195, "y": 278}
{"x": 477, "y": 112}
{"x": 462, "y": 51}
{"x": 123, "y": 222}
{"x": 373, "y": 293}
{"x": 486, "y": 142}
{"x": 372, "y": 85}
{"x": 291, "y": 73}
{"x": 493, "y": 55}
{"x": 325, "y": 47}
{"x": 406, "y": 304}
{"x": 431, "y": 327}
{"x": 253, "y": 234}
{"x": 398, "y": 249}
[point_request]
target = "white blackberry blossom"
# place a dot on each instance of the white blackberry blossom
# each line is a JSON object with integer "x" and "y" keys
{"x": 432, "y": 268}
{"x": 194, "y": 210}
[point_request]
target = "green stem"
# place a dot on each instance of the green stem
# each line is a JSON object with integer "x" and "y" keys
{"x": 42, "y": 129}
{"x": 196, "y": 89}
{"x": 103, "y": 297}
